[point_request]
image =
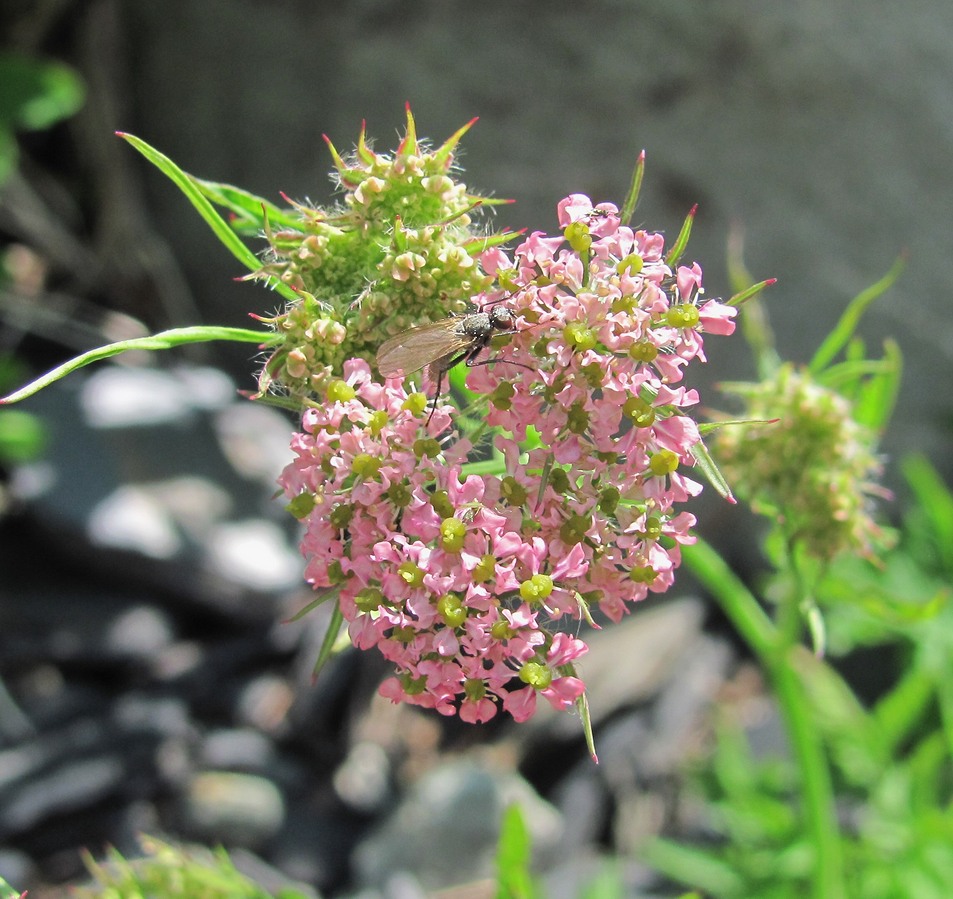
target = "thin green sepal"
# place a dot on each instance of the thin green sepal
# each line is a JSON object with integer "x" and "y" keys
{"x": 635, "y": 188}
{"x": 706, "y": 465}
{"x": 330, "y": 640}
{"x": 744, "y": 295}
{"x": 681, "y": 241}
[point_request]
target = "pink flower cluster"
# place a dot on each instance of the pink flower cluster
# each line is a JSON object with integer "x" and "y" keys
{"x": 461, "y": 579}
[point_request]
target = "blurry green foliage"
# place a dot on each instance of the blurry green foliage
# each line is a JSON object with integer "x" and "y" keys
{"x": 34, "y": 94}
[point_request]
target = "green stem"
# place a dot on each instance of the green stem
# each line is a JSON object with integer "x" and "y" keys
{"x": 774, "y": 649}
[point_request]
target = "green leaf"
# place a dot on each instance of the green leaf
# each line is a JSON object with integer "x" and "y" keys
{"x": 22, "y": 436}
{"x": 847, "y": 325}
{"x": 607, "y": 884}
{"x": 737, "y": 601}
{"x": 9, "y": 154}
{"x": 166, "y": 870}
{"x": 248, "y": 209}
{"x": 12, "y": 894}
{"x": 164, "y": 340}
{"x": 899, "y": 712}
{"x": 852, "y": 734}
{"x": 513, "y": 853}
{"x": 934, "y": 505}
{"x": 35, "y": 94}
{"x": 189, "y": 186}
{"x": 877, "y": 397}
{"x": 871, "y": 385}
{"x": 692, "y": 867}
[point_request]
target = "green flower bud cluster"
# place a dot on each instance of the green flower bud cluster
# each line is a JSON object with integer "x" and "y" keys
{"x": 810, "y": 465}
{"x": 399, "y": 248}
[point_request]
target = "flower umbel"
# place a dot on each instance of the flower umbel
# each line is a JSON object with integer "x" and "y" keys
{"x": 811, "y": 466}
{"x": 464, "y": 581}
{"x": 401, "y": 247}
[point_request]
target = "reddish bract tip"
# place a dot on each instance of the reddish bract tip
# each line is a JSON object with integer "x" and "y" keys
{"x": 120, "y": 133}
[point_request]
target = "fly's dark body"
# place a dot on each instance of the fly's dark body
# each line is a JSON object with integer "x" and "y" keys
{"x": 442, "y": 344}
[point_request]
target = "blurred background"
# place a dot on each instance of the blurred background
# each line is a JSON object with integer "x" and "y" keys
{"x": 819, "y": 132}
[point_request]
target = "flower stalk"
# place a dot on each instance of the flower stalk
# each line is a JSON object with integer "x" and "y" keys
{"x": 775, "y": 648}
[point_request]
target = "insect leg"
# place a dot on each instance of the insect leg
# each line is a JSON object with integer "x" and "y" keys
{"x": 436, "y": 395}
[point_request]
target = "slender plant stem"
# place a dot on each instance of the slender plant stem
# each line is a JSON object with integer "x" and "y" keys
{"x": 774, "y": 650}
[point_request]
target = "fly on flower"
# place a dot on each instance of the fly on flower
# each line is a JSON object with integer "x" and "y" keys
{"x": 443, "y": 344}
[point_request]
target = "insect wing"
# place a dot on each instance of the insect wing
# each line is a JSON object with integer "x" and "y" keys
{"x": 411, "y": 350}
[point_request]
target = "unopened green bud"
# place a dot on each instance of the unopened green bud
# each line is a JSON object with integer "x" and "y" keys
{"x": 559, "y": 481}
{"x": 377, "y": 422}
{"x": 643, "y": 351}
{"x": 366, "y": 466}
{"x": 574, "y": 529}
{"x": 340, "y": 392}
{"x": 609, "y": 500}
{"x": 370, "y": 599}
{"x": 427, "y": 446}
{"x": 631, "y": 265}
{"x": 416, "y": 403}
{"x": 452, "y": 532}
{"x": 579, "y": 336}
{"x": 642, "y": 574}
{"x": 663, "y": 463}
{"x": 641, "y": 412}
{"x": 451, "y": 609}
{"x": 512, "y": 491}
{"x": 411, "y": 574}
{"x": 536, "y": 674}
{"x": 578, "y": 418}
{"x": 577, "y": 233}
{"x": 440, "y": 502}
{"x": 485, "y": 570}
{"x": 537, "y": 588}
{"x": 398, "y": 494}
{"x": 341, "y": 515}
{"x": 302, "y": 505}
{"x": 682, "y": 315}
{"x": 653, "y": 528}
